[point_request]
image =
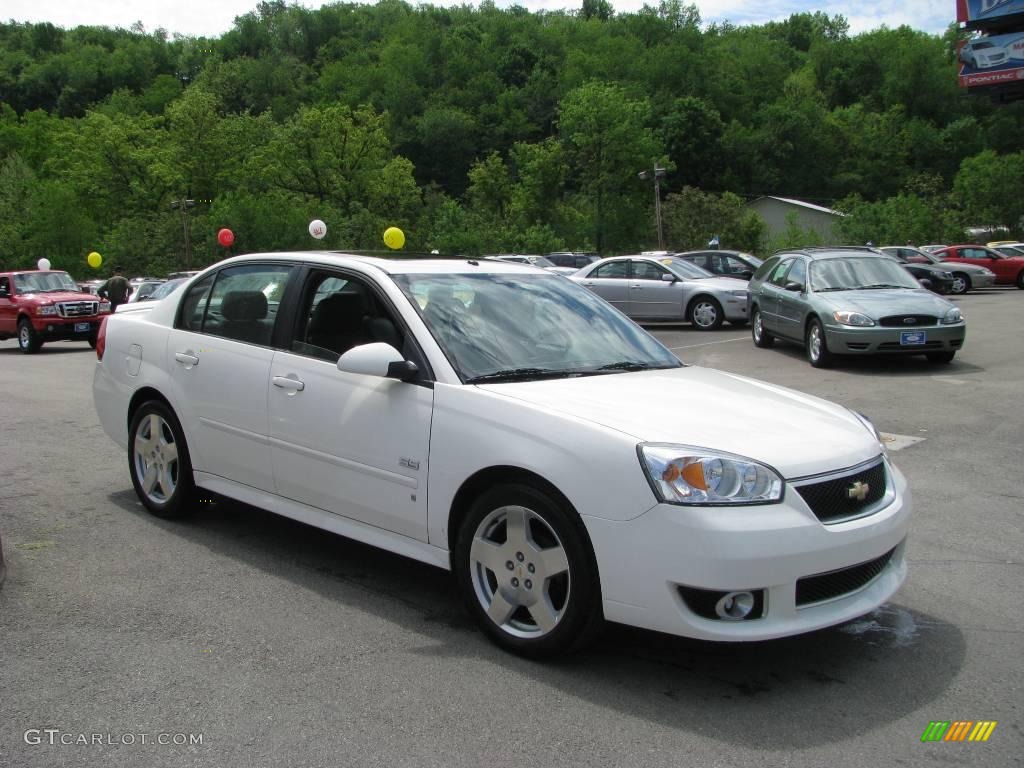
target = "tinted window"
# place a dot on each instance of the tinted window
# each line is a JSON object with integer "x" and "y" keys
{"x": 797, "y": 273}
{"x": 779, "y": 273}
{"x": 646, "y": 270}
{"x": 767, "y": 267}
{"x": 613, "y": 269}
{"x": 193, "y": 307}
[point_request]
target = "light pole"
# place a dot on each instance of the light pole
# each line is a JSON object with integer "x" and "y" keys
{"x": 183, "y": 205}
{"x": 656, "y": 173}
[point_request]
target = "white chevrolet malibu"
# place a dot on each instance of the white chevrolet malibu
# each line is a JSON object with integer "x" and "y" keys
{"x": 507, "y": 424}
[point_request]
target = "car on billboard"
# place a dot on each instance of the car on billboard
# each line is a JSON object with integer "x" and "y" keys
{"x": 982, "y": 54}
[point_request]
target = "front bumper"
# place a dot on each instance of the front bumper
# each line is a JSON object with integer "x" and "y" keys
{"x": 982, "y": 281}
{"x": 735, "y": 308}
{"x": 845, "y": 340}
{"x": 59, "y": 329}
{"x": 647, "y": 564}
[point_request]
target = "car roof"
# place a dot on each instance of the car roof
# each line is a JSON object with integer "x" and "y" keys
{"x": 834, "y": 252}
{"x": 394, "y": 265}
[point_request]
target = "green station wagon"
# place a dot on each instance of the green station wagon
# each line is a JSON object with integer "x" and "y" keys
{"x": 849, "y": 301}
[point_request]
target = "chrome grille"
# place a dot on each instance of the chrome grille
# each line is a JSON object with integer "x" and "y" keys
{"x": 77, "y": 308}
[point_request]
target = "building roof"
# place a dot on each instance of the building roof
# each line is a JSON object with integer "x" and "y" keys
{"x": 801, "y": 204}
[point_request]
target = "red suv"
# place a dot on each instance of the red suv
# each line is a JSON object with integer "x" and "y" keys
{"x": 39, "y": 306}
{"x": 1009, "y": 269}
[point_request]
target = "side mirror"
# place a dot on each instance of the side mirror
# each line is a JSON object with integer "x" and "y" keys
{"x": 795, "y": 287}
{"x": 666, "y": 278}
{"x": 378, "y": 359}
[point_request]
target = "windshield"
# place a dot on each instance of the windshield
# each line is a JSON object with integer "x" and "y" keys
{"x": 166, "y": 289}
{"x": 853, "y": 273}
{"x": 41, "y": 282}
{"x": 503, "y": 327}
{"x": 686, "y": 269}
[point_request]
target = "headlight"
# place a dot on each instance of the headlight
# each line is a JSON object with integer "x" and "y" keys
{"x": 953, "y": 316}
{"x": 680, "y": 474}
{"x": 947, "y": 275}
{"x": 738, "y": 293}
{"x": 871, "y": 428}
{"x": 104, "y": 307}
{"x": 987, "y": 272}
{"x": 846, "y": 317}
{"x": 46, "y": 309}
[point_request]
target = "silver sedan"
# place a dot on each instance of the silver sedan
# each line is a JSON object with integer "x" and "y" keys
{"x": 666, "y": 288}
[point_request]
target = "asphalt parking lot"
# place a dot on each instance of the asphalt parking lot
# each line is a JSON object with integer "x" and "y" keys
{"x": 275, "y": 644}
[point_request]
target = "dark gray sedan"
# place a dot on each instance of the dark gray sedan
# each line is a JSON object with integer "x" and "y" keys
{"x": 850, "y": 301}
{"x": 663, "y": 287}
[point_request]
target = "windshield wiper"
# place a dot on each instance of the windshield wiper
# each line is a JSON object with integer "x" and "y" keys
{"x": 832, "y": 288}
{"x": 881, "y": 285}
{"x": 627, "y": 365}
{"x": 511, "y": 374}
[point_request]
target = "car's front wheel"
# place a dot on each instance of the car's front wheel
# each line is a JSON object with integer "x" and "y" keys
{"x": 158, "y": 461}
{"x": 762, "y": 338}
{"x": 526, "y": 572}
{"x": 1020, "y": 279}
{"x": 961, "y": 284}
{"x": 28, "y": 339}
{"x": 706, "y": 313}
{"x": 818, "y": 353}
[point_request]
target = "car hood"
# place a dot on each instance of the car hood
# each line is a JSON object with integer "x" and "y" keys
{"x": 719, "y": 283}
{"x": 882, "y": 302}
{"x": 795, "y": 433}
{"x": 933, "y": 268}
{"x": 962, "y": 266}
{"x": 57, "y": 296}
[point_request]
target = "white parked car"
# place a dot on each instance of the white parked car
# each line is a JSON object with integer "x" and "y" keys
{"x": 507, "y": 424}
{"x": 982, "y": 54}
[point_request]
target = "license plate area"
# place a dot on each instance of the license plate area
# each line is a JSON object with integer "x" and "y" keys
{"x": 82, "y": 327}
{"x": 912, "y": 338}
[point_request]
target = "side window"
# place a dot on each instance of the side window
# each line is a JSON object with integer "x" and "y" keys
{"x": 646, "y": 270}
{"x": 193, "y": 306}
{"x": 734, "y": 266}
{"x": 244, "y": 300}
{"x": 780, "y": 272}
{"x": 612, "y": 270}
{"x": 798, "y": 273}
{"x": 766, "y": 268}
{"x": 340, "y": 312}
{"x": 5, "y": 284}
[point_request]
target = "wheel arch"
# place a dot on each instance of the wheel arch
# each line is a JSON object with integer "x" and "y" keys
{"x": 697, "y": 297}
{"x": 473, "y": 486}
{"x": 145, "y": 394}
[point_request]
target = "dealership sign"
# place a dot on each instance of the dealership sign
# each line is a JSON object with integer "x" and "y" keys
{"x": 992, "y": 60}
{"x": 984, "y": 10}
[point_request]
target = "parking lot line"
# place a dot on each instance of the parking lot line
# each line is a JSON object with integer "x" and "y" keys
{"x": 709, "y": 343}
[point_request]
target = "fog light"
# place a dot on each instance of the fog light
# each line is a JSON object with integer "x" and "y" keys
{"x": 735, "y": 606}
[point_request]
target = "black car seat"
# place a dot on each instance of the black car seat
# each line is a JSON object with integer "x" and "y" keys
{"x": 337, "y": 322}
{"x": 244, "y": 314}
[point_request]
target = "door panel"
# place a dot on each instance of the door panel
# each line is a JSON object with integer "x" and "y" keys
{"x": 650, "y": 296}
{"x": 611, "y": 282}
{"x": 350, "y": 444}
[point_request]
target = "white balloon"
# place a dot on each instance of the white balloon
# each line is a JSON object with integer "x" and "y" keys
{"x": 317, "y": 229}
{"x": 43, "y": 264}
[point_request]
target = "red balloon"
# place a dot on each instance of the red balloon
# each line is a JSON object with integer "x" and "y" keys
{"x": 225, "y": 237}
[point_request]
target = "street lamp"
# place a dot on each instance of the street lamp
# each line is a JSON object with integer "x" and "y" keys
{"x": 183, "y": 205}
{"x": 656, "y": 173}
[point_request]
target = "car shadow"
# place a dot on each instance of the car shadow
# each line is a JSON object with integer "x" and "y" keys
{"x": 779, "y": 695}
{"x": 882, "y": 365}
{"x": 47, "y": 349}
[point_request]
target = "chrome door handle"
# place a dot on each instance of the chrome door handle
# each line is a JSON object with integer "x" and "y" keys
{"x": 636, "y": 287}
{"x": 186, "y": 358}
{"x": 287, "y": 382}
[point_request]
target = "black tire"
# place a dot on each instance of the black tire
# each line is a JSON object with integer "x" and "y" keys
{"x": 761, "y": 337}
{"x": 177, "y": 500}
{"x": 940, "y": 357}
{"x": 816, "y": 345}
{"x": 705, "y": 313}
{"x": 93, "y": 339}
{"x": 1020, "y": 279}
{"x": 961, "y": 284}
{"x": 570, "y": 599}
{"x": 28, "y": 340}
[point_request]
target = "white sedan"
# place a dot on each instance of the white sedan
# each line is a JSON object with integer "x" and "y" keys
{"x": 507, "y": 424}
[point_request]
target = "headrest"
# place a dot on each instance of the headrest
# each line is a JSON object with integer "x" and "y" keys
{"x": 339, "y": 309}
{"x": 244, "y": 305}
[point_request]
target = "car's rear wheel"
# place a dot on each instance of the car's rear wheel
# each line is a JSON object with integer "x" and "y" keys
{"x": 1020, "y": 279}
{"x": 818, "y": 353}
{"x": 526, "y": 572}
{"x": 28, "y": 339}
{"x": 940, "y": 357}
{"x": 961, "y": 284}
{"x": 158, "y": 461}
{"x": 706, "y": 313}
{"x": 762, "y": 338}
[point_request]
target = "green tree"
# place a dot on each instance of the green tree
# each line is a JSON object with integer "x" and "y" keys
{"x": 692, "y": 217}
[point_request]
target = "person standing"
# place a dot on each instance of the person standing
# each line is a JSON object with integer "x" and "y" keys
{"x": 116, "y": 290}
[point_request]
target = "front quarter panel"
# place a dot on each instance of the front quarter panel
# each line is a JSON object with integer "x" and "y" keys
{"x": 596, "y": 468}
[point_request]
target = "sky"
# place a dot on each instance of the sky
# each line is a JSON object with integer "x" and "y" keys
{"x": 203, "y": 18}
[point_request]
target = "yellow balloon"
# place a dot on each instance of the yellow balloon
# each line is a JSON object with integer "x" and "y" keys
{"x": 94, "y": 260}
{"x": 394, "y": 237}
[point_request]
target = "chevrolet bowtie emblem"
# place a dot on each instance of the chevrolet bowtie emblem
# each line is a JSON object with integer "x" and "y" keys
{"x": 858, "y": 491}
